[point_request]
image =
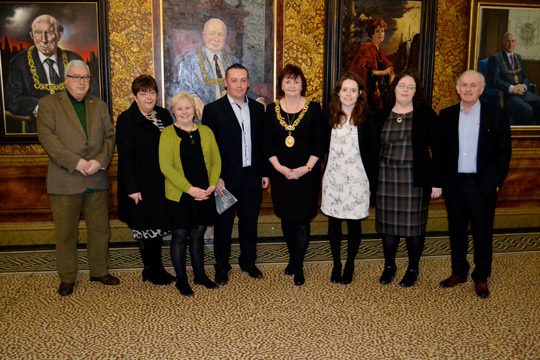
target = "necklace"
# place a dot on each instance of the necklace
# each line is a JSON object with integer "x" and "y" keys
{"x": 205, "y": 73}
{"x": 289, "y": 140}
{"x": 52, "y": 88}
{"x": 509, "y": 71}
{"x": 189, "y": 132}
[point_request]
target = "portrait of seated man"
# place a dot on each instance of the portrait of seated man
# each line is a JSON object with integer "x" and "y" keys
{"x": 505, "y": 72}
{"x": 37, "y": 71}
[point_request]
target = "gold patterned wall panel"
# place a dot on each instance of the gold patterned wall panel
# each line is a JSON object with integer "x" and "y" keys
{"x": 450, "y": 50}
{"x": 130, "y": 39}
{"x": 303, "y": 41}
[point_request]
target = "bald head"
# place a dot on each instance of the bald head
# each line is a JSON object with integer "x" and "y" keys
{"x": 46, "y": 33}
{"x": 214, "y": 34}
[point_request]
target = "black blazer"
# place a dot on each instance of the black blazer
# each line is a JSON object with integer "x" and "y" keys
{"x": 494, "y": 148}
{"x": 426, "y": 145}
{"x": 137, "y": 140}
{"x": 369, "y": 150}
{"x": 220, "y": 117}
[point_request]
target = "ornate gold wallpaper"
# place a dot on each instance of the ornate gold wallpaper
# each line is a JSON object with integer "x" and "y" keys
{"x": 450, "y": 51}
{"x": 303, "y": 41}
{"x": 131, "y": 50}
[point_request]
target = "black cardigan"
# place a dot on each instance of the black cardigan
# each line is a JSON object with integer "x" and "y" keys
{"x": 426, "y": 145}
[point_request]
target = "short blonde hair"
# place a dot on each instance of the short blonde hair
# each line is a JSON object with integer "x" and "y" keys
{"x": 182, "y": 95}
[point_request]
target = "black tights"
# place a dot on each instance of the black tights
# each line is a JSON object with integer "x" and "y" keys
{"x": 297, "y": 235}
{"x": 180, "y": 240}
{"x": 353, "y": 239}
{"x": 415, "y": 246}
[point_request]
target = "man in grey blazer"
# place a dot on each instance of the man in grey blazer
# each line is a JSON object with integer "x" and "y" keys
{"x": 76, "y": 131}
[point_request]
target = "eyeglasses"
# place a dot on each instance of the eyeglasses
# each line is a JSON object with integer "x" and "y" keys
{"x": 40, "y": 33}
{"x": 78, "y": 78}
{"x": 402, "y": 86}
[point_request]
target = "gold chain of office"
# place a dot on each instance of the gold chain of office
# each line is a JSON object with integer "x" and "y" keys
{"x": 510, "y": 71}
{"x": 37, "y": 84}
{"x": 205, "y": 74}
{"x": 289, "y": 140}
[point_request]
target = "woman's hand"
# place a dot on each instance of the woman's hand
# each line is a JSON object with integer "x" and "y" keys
{"x": 436, "y": 193}
{"x": 298, "y": 173}
{"x": 210, "y": 190}
{"x": 136, "y": 197}
{"x": 198, "y": 193}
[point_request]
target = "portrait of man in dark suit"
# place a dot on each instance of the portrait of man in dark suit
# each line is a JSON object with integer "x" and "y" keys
{"x": 34, "y": 59}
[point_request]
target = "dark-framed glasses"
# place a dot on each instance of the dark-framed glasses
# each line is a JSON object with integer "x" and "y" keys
{"x": 78, "y": 78}
{"x": 402, "y": 86}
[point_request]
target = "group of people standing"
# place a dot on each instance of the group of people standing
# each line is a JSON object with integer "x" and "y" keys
{"x": 171, "y": 169}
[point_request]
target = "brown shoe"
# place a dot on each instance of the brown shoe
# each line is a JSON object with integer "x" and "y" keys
{"x": 452, "y": 281}
{"x": 107, "y": 279}
{"x": 65, "y": 289}
{"x": 481, "y": 290}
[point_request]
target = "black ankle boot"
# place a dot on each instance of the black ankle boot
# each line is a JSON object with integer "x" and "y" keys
{"x": 388, "y": 275}
{"x": 348, "y": 273}
{"x": 183, "y": 286}
{"x": 409, "y": 279}
{"x": 205, "y": 281}
{"x": 336, "y": 274}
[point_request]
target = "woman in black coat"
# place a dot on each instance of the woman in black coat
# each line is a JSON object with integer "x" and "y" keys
{"x": 141, "y": 194}
{"x": 409, "y": 174}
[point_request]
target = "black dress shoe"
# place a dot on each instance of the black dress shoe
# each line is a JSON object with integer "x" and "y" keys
{"x": 289, "y": 270}
{"x": 347, "y": 274}
{"x": 388, "y": 275}
{"x": 65, "y": 289}
{"x": 253, "y": 271}
{"x": 206, "y": 282}
{"x": 222, "y": 277}
{"x": 481, "y": 290}
{"x": 183, "y": 286}
{"x": 107, "y": 279}
{"x": 336, "y": 274}
{"x": 299, "y": 279}
{"x": 409, "y": 279}
{"x": 452, "y": 281}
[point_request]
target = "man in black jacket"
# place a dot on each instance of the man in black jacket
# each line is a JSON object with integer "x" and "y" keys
{"x": 236, "y": 121}
{"x": 476, "y": 156}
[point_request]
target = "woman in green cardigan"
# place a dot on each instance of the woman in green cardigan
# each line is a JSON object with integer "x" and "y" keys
{"x": 189, "y": 159}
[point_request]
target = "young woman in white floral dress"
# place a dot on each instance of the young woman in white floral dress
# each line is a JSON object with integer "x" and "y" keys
{"x": 349, "y": 174}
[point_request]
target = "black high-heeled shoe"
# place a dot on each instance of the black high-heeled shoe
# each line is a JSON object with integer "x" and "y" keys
{"x": 336, "y": 274}
{"x": 347, "y": 274}
{"x": 299, "y": 278}
{"x": 388, "y": 275}
{"x": 409, "y": 279}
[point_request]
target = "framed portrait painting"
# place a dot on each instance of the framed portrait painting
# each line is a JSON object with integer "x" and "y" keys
{"x": 196, "y": 41}
{"x": 38, "y": 41}
{"x": 377, "y": 39}
{"x": 504, "y": 45}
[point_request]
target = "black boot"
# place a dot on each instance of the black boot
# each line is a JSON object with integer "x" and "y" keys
{"x": 153, "y": 269}
{"x": 353, "y": 244}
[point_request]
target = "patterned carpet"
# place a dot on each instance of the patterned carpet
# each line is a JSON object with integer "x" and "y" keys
{"x": 273, "y": 319}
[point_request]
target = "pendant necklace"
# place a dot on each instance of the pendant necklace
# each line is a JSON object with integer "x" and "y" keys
{"x": 189, "y": 132}
{"x": 292, "y": 123}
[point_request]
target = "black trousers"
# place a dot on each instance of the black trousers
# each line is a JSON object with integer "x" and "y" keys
{"x": 247, "y": 209}
{"x": 469, "y": 205}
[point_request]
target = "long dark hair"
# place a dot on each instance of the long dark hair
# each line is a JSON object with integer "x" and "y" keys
{"x": 361, "y": 108}
{"x": 419, "y": 98}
